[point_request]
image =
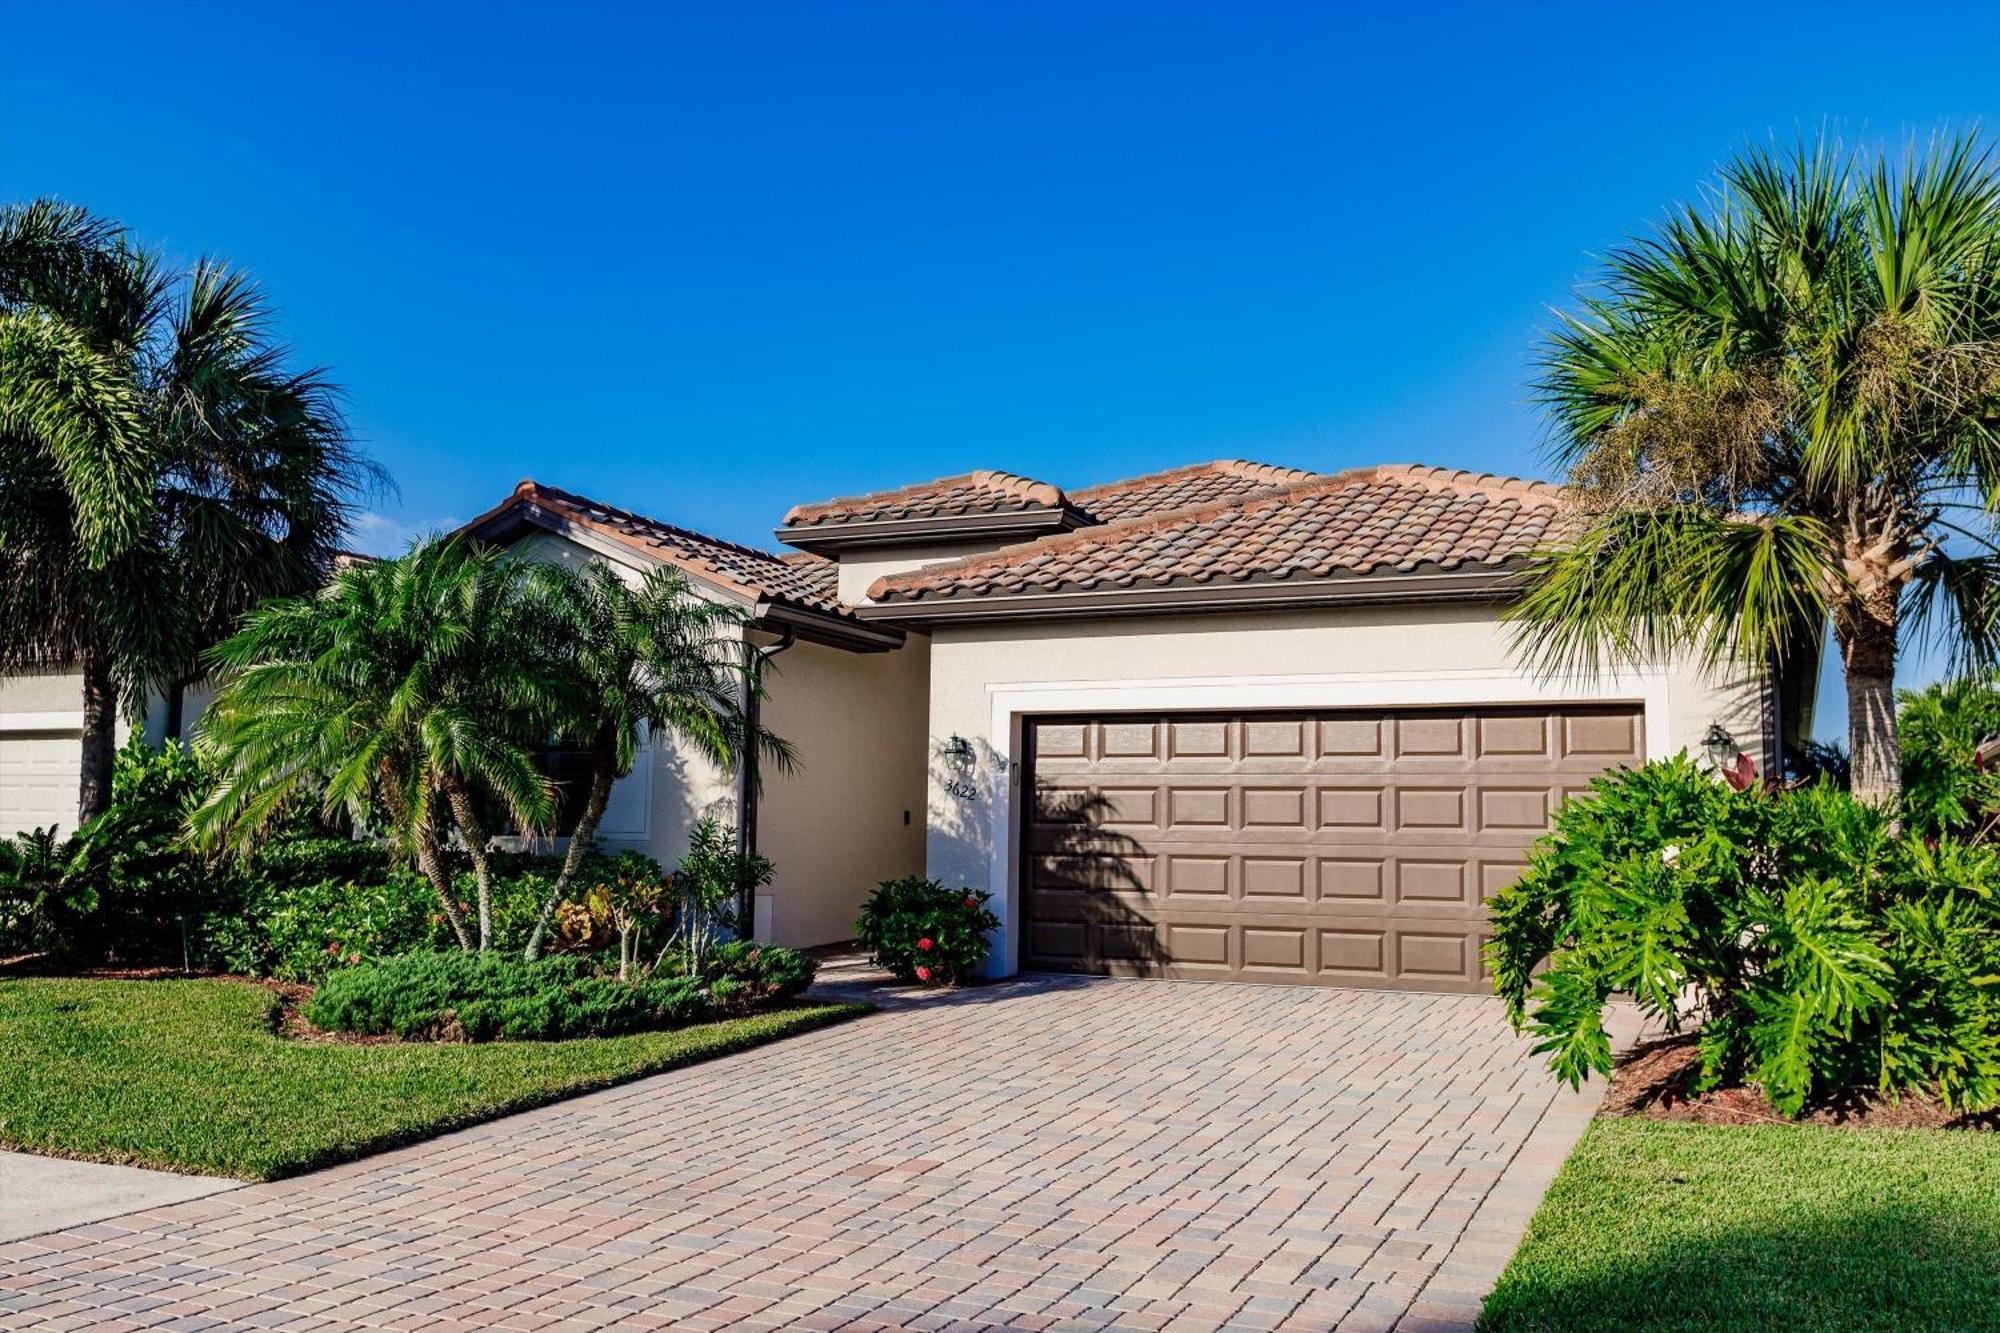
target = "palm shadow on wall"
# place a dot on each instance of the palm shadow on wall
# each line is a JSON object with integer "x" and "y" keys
{"x": 1066, "y": 842}
{"x": 1090, "y": 908}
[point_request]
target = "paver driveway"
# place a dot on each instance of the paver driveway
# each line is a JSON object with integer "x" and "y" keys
{"x": 1049, "y": 1153}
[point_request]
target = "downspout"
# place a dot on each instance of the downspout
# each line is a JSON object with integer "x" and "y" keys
{"x": 746, "y": 773}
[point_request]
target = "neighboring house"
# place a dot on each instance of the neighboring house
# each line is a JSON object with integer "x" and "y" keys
{"x": 1228, "y": 721}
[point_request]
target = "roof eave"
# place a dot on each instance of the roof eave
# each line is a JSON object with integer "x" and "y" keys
{"x": 1486, "y": 584}
{"x": 521, "y": 514}
{"x": 818, "y": 627}
{"x": 830, "y": 538}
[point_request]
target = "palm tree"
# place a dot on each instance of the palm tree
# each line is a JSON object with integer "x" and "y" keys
{"x": 163, "y": 470}
{"x": 656, "y": 659}
{"x": 413, "y": 687}
{"x": 1782, "y": 408}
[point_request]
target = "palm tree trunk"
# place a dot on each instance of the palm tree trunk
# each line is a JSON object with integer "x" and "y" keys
{"x": 100, "y": 735}
{"x": 603, "y": 772}
{"x": 1867, "y": 632}
{"x": 431, "y": 861}
{"x": 470, "y": 828}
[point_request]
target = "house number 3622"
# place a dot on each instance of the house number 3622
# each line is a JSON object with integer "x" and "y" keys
{"x": 961, "y": 789}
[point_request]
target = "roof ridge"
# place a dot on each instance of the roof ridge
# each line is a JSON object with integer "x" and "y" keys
{"x": 632, "y": 515}
{"x": 1249, "y": 469}
{"x": 1464, "y": 479}
{"x": 1008, "y": 483}
{"x": 1025, "y": 487}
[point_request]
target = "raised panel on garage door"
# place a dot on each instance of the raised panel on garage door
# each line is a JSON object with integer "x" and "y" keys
{"x": 1338, "y": 847}
{"x": 38, "y": 780}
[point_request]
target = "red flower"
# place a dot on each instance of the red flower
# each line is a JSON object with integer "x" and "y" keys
{"x": 333, "y": 947}
{"x": 971, "y": 901}
{"x": 353, "y": 959}
{"x": 925, "y": 944}
{"x": 923, "y": 974}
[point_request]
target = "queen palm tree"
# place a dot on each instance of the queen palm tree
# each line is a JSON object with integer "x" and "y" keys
{"x": 652, "y": 659}
{"x": 1783, "y": 407}
{"x": 161, "y": 469}
{"x": 413, "y": 688}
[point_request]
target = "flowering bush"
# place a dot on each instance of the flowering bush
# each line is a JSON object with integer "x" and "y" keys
{"x": 922, "y": 931}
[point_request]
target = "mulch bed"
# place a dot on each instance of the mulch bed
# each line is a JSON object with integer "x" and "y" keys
{"x": 1656, "y": 1080}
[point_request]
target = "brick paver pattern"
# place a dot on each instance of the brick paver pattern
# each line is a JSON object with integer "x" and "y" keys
{"x": 1044, "y": 1154}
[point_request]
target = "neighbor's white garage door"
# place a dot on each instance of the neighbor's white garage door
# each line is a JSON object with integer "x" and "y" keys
{"x": 38, "y": 777}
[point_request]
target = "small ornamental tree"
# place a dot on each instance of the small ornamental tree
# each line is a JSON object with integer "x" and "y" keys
{"x": 711, "y": 879}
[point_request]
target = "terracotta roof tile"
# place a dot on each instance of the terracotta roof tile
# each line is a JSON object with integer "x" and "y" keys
{"x": 983, "y": 492}
{"x": 1182, "y": 488}
{"x": 1400, "y": 518}
{"x": 808, "y": 581}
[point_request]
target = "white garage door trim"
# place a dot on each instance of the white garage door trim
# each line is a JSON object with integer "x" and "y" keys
{"x": 1645, "y": 686}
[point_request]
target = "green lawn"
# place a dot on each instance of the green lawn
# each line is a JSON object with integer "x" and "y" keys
{"x": 188, "y": 1075}
{"x": 1662, "y": 1226}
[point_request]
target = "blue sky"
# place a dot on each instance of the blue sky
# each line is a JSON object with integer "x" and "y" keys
{"x": 706, "y": 261}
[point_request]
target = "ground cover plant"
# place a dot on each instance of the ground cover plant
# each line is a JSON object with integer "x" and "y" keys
{"x": 487, "y": 997}
{"x": 190, "y": 1075}
{"x": 1673, "y": 1228}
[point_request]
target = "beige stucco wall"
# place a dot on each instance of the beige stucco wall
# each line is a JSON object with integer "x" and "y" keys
{"x": 853, "y": 814}
{"x": 858, "y": 569}
{"x": 985, "y": 677}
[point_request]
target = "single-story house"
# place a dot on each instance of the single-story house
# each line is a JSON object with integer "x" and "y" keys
{"x": 1227, "y": 722}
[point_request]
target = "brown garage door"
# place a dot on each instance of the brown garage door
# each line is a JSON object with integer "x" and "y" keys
{"x": 1324, "y": 848}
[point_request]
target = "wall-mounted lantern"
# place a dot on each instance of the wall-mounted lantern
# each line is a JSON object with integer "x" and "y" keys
{"x": 1720, "y": 747}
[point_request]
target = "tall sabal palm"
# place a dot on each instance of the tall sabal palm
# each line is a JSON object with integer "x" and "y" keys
{"x": 413, "y": 687}
{"x": 655, "y": 659}
{"x": 161, "y": 470}
{"x": 1782, "y": 408}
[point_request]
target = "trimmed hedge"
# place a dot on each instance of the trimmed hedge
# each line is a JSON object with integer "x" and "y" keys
{"x": 497, "y": 997}
{"x": 489, "y": 997}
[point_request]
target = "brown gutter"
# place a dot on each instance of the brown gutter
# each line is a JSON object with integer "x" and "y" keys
{"x": 828, "y": 537}
{"x": 1485, "y": 584}
{"x": 748, "y": 779}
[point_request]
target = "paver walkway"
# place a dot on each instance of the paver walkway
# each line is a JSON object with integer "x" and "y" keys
{"x": 1046, "y": 1153}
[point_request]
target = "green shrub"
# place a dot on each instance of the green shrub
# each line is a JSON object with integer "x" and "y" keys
{"x": 922, "y": 931}
{"x": 44, "y": 902}
{"x": 764, "y": 972}
{"x": 488, "y": 997}
{"x": 315, "y": 905}
{"x": 148, "y": 886}
{"x": 1938, "y": 730}
{"x": 303, "y": 930}
{"x": 1816, "y": 948}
